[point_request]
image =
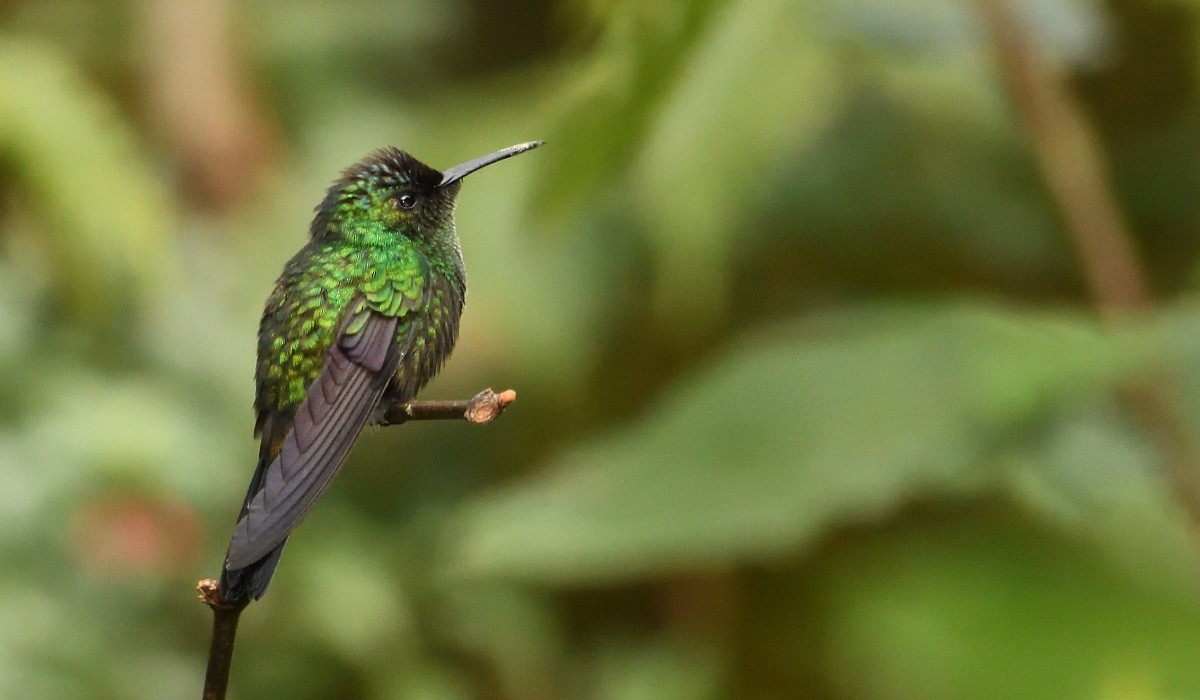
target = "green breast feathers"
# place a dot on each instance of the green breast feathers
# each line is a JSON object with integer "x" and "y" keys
{"x": 311, "y": 304}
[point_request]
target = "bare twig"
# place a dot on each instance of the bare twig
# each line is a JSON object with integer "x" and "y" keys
{"x": 1070, "y": 159}
{"x": 220, "y": 650}
{"x": 484, "y": 407}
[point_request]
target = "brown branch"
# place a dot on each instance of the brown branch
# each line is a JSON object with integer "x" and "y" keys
{"x": 220, "y": 650}
{"x": 484, "y": 407}
{"x": 1070, "y": 158}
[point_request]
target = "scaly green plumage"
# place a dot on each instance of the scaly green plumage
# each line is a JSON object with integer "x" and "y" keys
{"x": 306, "y": 310}
{"x": 367, "y": 309}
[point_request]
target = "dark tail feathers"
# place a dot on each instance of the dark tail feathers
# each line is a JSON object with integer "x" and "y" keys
{"x": 249, "y": 583}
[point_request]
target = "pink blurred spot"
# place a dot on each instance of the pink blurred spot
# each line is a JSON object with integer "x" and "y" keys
{"x": 114, "y": 536}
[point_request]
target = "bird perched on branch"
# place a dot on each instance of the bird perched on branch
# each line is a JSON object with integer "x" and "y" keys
{"x": 362, "y": 316}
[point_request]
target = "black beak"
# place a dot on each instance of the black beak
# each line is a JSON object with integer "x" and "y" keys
{"x": 458, "y": 172}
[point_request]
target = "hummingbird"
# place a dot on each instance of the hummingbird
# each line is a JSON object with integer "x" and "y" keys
{"x": 363, "y": 316}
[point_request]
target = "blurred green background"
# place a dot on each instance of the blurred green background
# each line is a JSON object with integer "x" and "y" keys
{"x": 814, "y": 402}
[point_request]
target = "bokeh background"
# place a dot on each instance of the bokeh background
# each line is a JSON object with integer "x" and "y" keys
{"x": 815, "y": 401}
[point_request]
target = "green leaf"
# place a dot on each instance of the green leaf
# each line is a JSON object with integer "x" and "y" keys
{"x": 784, "y": 438}
{"x": 372, "y": 619}
{"x": 758, "y": 85}
{"x": 514, "y": 631}
{"x": 1093, "y": 475}
{"x": 687, "y": 108}
{"x": 604, "y": 105}
{"x": 105, "y": 211}
{"x": 666, "y": 669}
{"x": 986, "y": 607}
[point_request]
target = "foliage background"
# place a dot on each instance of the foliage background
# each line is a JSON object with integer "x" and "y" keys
{"x": 813, "y": 404}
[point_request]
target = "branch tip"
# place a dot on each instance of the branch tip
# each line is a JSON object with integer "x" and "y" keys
{"x": 210, "y": 592}
{"x": 487, "y": 405}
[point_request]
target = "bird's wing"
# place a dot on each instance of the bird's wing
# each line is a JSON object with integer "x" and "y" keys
{"x": 337, "y": 405}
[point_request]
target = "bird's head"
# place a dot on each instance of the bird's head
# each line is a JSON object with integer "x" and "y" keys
{"x": 392, "y": 188}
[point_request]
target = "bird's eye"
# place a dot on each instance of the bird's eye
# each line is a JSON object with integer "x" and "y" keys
{"x": 408, "y": 200}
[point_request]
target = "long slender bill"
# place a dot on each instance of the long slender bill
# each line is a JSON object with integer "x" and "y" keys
{"x": 458, "y": 172}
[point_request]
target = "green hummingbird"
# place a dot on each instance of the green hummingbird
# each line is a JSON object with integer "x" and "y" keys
{"x": 362, "y": 316}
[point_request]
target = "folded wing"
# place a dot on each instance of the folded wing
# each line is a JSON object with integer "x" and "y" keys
{"x": 335, "y": 409}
